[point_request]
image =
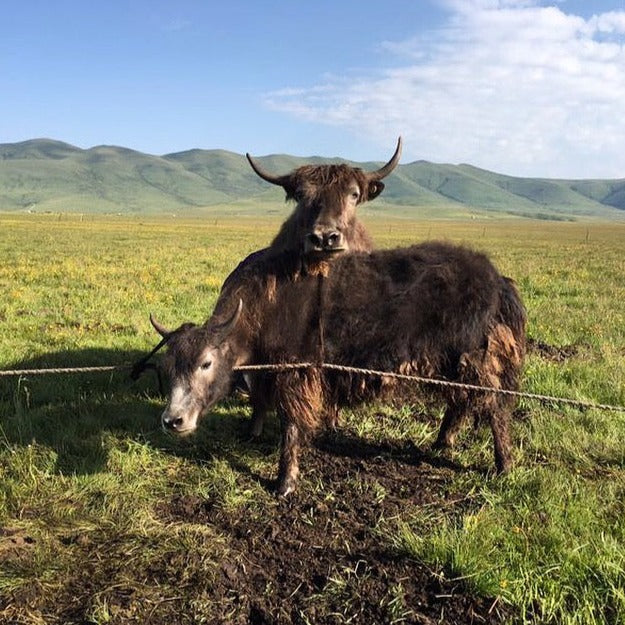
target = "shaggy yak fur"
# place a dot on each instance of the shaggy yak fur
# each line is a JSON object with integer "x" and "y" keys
{"x": 323, "y": 225}
{"x": 324, "y": 220}
{"x": 433, "y": 309}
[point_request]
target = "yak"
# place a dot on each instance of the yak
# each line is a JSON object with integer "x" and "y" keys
{"x": 324, "y": 221}
{"x": 323, "y": 225}
{"x": 433, "y": 309}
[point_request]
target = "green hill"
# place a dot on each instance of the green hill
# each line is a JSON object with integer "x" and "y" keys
{"x": 45, "y": 175}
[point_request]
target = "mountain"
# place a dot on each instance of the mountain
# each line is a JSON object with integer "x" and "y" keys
{"x": 45, "y": 175}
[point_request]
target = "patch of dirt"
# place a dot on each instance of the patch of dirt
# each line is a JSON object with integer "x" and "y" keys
{"x": 553, "y": 353}
{"x": 15, "y": 545}
{"x": 320, "y": 558}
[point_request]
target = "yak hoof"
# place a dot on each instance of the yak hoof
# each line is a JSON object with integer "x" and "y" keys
{"x": 441, "y": 445}
{"x": 285, "y": 487}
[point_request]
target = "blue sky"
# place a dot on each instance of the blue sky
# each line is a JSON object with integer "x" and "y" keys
{"x": 524, "y": 87}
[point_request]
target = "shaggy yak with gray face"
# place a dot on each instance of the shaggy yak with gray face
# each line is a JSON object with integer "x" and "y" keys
{"x": 433, "y": 309}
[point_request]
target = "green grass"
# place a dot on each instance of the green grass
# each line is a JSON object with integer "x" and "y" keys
{"x": 85, "y": 470}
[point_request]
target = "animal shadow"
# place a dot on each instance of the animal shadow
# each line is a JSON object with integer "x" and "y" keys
{"x": 344, "y": 444}
{"x": 74, "y": 413}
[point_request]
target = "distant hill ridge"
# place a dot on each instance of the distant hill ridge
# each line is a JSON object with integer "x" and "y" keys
{"x": 46, "y": 175}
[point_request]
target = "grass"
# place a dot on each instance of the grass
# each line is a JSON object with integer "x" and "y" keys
{"x": 89, "y": 531}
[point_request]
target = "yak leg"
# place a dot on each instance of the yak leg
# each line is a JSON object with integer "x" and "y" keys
{"x": 332, "y": 416}
{"x": 499, "y": 411}
{"x": 289, "y": 455}
{"x": 260, "y": 394}
{"x": 500, "y": 368}
{"x": 299, "y": 400}
{"x": 455, "y": 416}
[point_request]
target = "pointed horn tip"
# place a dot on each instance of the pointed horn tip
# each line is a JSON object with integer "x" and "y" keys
{"x": 398, "y": 149}
{"x": 390, "y": 166}
{"x": 265, "y": 175}
{"x": 159, "y": 327}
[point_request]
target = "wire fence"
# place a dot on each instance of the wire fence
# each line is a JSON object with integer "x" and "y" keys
{"x": 345, "y": 369}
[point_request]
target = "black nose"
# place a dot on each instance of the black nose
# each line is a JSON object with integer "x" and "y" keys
{"x": 324, "y": 241}
{"x": 173, "y": 424}
{"x": 332, "y": 240}
{"x": 315, "y": 241}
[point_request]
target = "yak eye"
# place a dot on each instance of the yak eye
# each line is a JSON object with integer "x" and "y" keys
{"x": 206, "y": 365}
{"x": 355, "y": 195}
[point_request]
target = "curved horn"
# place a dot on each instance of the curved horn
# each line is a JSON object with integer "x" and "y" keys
{"x": 227, "y": 326}
{"x": 390, "y": 166}
{"x": 279, "y": 180}
{"x": 159, "y": 327}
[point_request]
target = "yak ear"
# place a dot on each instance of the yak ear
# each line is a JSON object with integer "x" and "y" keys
{"x": 159, "y": 327}
{"x": 375, "y": 188}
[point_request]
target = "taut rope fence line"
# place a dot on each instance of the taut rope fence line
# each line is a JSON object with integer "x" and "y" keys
{"x": 345, "y": 369}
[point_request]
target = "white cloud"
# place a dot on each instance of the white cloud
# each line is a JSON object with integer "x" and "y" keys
{"x": 508, "y": 85}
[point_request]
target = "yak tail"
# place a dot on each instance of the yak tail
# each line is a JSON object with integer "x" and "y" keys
{"x": 512, "y": 312}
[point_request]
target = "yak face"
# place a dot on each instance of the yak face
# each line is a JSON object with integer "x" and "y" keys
{"x": 198, "y": 364}
{"x": 324, "y": 221}
{"x": 327, "y": 197}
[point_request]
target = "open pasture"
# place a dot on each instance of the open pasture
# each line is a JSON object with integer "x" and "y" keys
{"x": 105, "y": 519}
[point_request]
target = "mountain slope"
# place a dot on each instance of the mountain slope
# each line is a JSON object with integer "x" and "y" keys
{"x": 42, "y": 174}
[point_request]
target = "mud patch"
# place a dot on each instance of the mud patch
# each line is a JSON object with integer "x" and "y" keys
{"x": 320, "y": 556}
{"x": 15, "y": 545}
{"x": 323, "y": 556}
{"x": 553, "y": 353}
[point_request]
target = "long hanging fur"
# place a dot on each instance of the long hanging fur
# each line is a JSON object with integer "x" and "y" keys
{"x": 433, "y": 309}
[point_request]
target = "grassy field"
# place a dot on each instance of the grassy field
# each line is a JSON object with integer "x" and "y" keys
{"x": 105, "y": 519}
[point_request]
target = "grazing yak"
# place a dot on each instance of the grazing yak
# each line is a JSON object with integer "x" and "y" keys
{"x": 432, "y": 309}
{"x": 323, "y": 225}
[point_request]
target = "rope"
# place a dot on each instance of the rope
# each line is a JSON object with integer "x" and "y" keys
{"x": 59, "y": 370}
{"x": 476, "y": 387}
{"x": 347, "y": 369}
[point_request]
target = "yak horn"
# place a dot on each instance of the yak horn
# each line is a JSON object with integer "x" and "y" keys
{"x": 227, "y": 326}
{"x": 265, "y": 175}
{"x": 159, "y": 327}
{"x": 390, "y": 166}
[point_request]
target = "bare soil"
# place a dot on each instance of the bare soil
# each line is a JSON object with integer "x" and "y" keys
{"x": 322, "y": 556}
{"x": 554, "y": 353}
{"x": 323, "y": 560}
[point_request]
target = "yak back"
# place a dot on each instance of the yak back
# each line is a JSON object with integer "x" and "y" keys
{"x": 423, "y": 305}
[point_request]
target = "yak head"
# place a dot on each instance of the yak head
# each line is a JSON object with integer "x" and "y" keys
{"x": 324, "y": 222}
{"x": 198, "y": 363}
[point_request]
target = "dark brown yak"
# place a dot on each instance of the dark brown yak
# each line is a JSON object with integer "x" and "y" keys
{"x": 323, "y": 224}
{"x": 324, "y": 221}
{"x": 432, "y": 309}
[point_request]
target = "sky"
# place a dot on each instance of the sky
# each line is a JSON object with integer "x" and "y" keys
{"x": 521, "y": 87}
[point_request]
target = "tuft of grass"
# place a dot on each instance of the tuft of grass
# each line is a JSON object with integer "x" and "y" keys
{"x": 548, "y": 542}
